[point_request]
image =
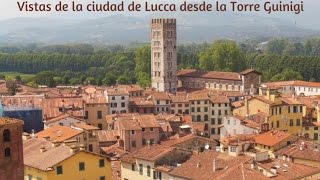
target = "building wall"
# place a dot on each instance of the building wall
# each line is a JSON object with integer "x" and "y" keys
{"x": 211, "y": 114}
{"x": 11, "y": 167}
{"x": 218, "y": 84}
{"x": 34, "y": 174}
{"x": 233, "y": 126}
{"x": 92, "y": 111}
{"x": 277, "y": 146}
{"x": 118, "y": 100}
{"x": 162, "y": 106}
{"x": 313, "y": 132}
{"x": 251, "y": 80}
{"x": 70, "y": 168}
{"x": 164, "y": 55}
{"x": 254, "y": 106}
{"x": 287, "y": 120}
{"x": 180, "y": 108}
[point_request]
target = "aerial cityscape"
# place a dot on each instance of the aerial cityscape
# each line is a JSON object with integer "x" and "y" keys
{"x": 209, "y": 111}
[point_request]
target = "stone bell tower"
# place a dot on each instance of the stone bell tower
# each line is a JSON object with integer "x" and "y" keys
{"x": 164, "y": 55}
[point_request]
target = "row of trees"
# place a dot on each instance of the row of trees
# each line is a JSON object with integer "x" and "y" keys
{"x": 132, "y": 65}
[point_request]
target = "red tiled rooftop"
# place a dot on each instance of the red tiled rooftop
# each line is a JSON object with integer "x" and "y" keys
{"x": 209, "y": 75}
{"x": 272, "y": 137}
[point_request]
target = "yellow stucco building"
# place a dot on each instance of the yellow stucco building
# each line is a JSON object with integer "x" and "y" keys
{"x": 285, "y": 113}
{"x": 44, "y": 160}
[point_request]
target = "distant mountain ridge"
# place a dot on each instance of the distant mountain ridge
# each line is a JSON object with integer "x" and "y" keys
{"x": 120, "y": 29}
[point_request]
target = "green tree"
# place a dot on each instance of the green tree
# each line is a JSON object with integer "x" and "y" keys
{"x": 287, "y": 75}
{"x": 223, "y": 56}
{"x": 143, "y": 66}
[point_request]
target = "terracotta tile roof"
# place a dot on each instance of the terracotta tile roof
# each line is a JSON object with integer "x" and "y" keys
{"x": 199, "y": 96}
{"x": 135, "y": 121}
{"x": 45, "y": 160}
{"x": 140, "y": 101}
{"x": 310, "y": 150}
{"x": 85, "y": 126}
{"x": 291, "y": 83}
{"x": 111, "y": 91}
{"x": 288, "y": 170}
{"x": 248, "y": 122}
{"x": 114, "y": 151}
{"x": 151, "y": 153}
{"x": 271, "y": 138}
{"x": 90, "y": 90}
{"x": 100, "y": 99}
{"x": 237, "y": 138}
{"x": 107, "y": 135}
{"x": 165, "y": 126}
{"x": 161, "y": 96}
{"x": 200, "y": 167}
{"x": 209, "y": 75}
{"x": 309, "y": 101}
{"x": 180, "y": 98}
{"x": 129, "y": 125}
{"x": 147, "y": 120}
{"x": 53, "y": 107}
{"x": 198, "y": 126}
{"x": 169, "y": 117}
{"x": 8, "y": 121}
{"x": 23, "y": 100}
{"x": 58, "y": 133}
{"x": 247, "y": 71}
{"x": 130, "y": 88}
{"x": 219, "y": 99}
{"x": 179, "y": 140}
{"x": 263, "y": 99}
{"x": 237, "y": 104}
{"x": 291, "y": 101}
{"x": 62, "y": 117}
{"x": 232, "y": 93}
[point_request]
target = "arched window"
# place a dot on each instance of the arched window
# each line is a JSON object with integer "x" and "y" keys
{"x": 6, "y": 135}
{"x": 198, "y": 118}
{"x": 206, "y": 117}
{"x": 7, "y": 152}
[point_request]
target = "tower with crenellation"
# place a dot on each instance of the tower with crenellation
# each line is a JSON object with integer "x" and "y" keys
{"x": 164, "y": 55}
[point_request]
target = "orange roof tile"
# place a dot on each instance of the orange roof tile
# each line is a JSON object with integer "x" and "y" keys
{"x": 292, "y": 83}
{"x": 271, "y": 138}
{"x": 200, "y": 167}
{"x": 209, "y": 75}
{"x": 107, "y": 135}
{"x": 8, "y": 121}
{"x": 58, "y": 133}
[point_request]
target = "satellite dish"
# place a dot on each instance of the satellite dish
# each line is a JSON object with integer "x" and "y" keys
{"x": 207, "y": 146}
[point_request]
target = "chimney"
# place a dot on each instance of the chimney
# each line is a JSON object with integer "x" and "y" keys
{"x": 148, "y": 143}
{"x": 252, "y": 165}
{"x": 55, "y": 143}
{"x": 214, "y": 166}
{"x": 25, "y": 136}
{"x": 42, "y": 149}
{"x": 246, "y": 105}
{"x": 198, "y": 165}
{"x": 274, "y": 170}
{"x": 73, "y": 149}
{"x": 46, "y": 138}
{"x": 82, "y": 148}
{"x": 32, "y": 134}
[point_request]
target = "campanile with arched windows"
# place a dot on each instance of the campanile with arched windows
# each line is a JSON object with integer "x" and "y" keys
{"x": 11, "y": 151}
